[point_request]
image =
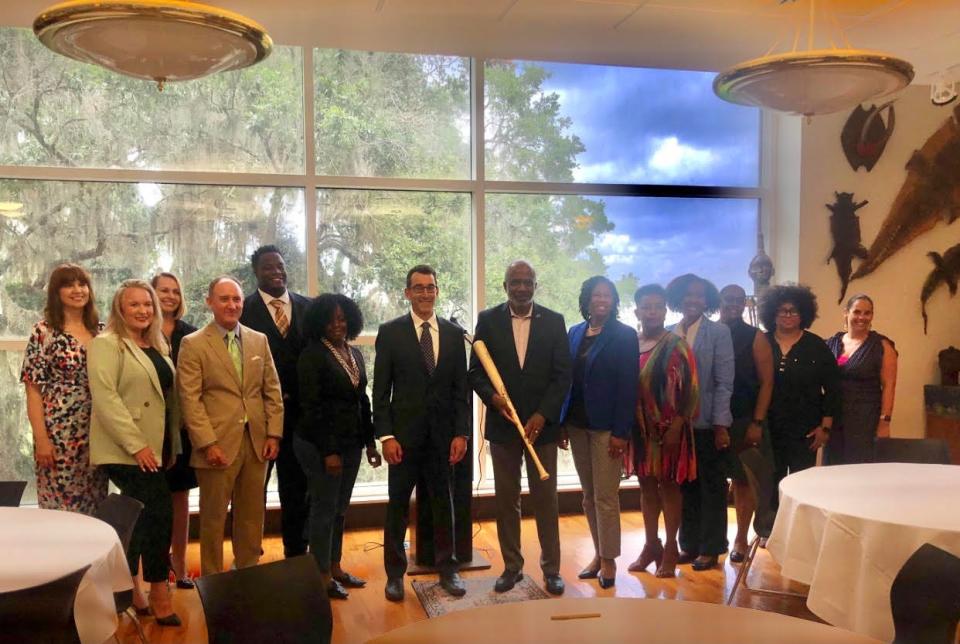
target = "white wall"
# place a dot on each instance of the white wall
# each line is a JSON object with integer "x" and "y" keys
{"x": 895, "y": 286}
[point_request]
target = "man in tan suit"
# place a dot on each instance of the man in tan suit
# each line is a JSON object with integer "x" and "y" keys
{"x": 232, "y": 406}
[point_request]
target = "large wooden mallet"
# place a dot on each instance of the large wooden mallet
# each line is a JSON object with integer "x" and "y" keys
{"x": 480, "y": 349}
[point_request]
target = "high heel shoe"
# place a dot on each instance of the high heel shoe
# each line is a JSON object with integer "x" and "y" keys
{"x": 705, "y": 562}
{"x": 651, "y": 553}
{"x": 606, "y": 583}
{"x": 668, "y": 566}
{"x": 589, "y": 572}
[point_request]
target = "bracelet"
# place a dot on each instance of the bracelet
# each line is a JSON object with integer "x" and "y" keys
{"x": 886, "y": 417}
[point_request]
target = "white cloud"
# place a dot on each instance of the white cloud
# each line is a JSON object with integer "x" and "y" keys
{"x": 616, "y": 243}
{"x": 673, "y": 159}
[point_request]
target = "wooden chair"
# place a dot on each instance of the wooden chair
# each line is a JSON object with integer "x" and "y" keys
{"x": 284, "y": 602}
{"x": 911, "y": 450}
{"x": 11, "y": 492}
{"x": 42, "y": 613}
{"x": 122, "y": 513}
{"x": 925, "y": 597}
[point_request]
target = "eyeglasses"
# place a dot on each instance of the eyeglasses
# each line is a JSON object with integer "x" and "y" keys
{"x": 788, "y": 313}
{"x": 420, "y": 289}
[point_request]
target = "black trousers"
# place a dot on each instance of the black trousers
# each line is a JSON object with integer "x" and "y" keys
{"x": 433, "y": 463}
{"x": 329, "y": 500}
{"x": 703, "y": 525}
{"x": 791, "y": 453}
{"x": 292, "y": 486}
{"x": 151, "y": 536}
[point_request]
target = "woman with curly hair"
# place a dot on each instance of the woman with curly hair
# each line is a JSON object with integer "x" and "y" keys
{"x": 703, "y": 529}
{"x": 662, "y": 453}
{"x": 598, "y": 415}
{"x": 335, "y": 425}
{"x": 806, "y": 380}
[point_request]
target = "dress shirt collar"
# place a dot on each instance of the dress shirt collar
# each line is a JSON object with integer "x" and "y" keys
{"x": 517, "y": 315}
{"x": 418, "y": 321}
{"x": 223, "y": 330}
{"x": 267, "y": 298}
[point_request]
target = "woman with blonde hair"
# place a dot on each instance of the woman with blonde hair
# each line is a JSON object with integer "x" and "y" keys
{"x": 180, "y": 478}
{"x": 54, "y": 374}
{"x": 134, "y": 429}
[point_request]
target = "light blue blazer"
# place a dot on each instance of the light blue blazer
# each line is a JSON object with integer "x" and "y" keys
{"x": 713, "y": 350}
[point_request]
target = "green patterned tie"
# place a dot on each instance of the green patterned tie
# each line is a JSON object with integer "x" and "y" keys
{"x": 233, "y": 346}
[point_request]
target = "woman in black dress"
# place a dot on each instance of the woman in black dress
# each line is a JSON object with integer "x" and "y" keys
{"x": 806, "y": 380}
{"x": 868, "y": 371}
{"x": 181, "y": 477}
{"x": 335, "y": 425}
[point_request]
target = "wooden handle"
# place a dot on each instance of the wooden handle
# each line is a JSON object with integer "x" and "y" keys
{"x": 483, "y": 355}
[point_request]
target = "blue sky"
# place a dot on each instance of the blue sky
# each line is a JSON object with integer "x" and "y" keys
{"x": 665, "y": 127}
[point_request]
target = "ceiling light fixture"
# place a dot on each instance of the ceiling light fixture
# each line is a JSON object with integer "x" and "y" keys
{"x": 158, "y": 40}
{"x": 814, "y": 81}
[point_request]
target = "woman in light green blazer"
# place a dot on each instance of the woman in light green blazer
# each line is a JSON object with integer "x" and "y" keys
{"x": 134, "y": 431}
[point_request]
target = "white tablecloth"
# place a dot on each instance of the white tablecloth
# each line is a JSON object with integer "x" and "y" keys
{"x": 847, "y": 530}
{"x": 38, "y": 546}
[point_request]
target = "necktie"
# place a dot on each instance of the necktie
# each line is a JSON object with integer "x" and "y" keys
{"x": 426, "y": 347}
{"x": 233, "y": 348}
{"x": 280, "y": 318}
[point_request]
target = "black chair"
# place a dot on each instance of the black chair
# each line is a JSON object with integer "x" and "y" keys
{"x": 122, "y": 513}
{"x": 925, "y": 597}
{"x": 11, "y": 492}
{"x": 283, "y": 602}
{"x": 43, "y": 613}
{"x": 759, "y": 472}
{"x": 911, "y": 450}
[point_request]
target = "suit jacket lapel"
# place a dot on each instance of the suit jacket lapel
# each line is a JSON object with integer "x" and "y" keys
{"x": 144, "y": 362}
{"x": 249, "y": 354}
{"x": 507, "y": 322}
{"x": 414, "y": 336}
{"x": 266, "y": 322}
{"x": 219, "y": 348}
{"x": 602, "y": 340}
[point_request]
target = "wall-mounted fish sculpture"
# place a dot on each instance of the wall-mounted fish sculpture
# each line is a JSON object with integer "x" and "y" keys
{"x": 946, "y": 270}
{"x": 930, "y": 193}
{"x": 865, "y": 135}
{"x": 845, "y": 229}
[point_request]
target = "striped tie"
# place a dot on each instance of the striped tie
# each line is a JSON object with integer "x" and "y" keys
{"x": 280, "y": 318}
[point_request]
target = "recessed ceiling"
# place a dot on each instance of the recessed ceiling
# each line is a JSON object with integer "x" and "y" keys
{"x": 686, "y": 34}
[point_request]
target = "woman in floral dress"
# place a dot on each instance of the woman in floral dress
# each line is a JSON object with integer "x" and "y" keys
{"x": 58, "y": 397}
{"x": 662, "y": 450}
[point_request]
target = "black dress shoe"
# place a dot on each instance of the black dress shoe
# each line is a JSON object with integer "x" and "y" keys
{"x": 555, "y": 585}
{"x": 588, "y": 573}
{"x": 169, "y": 620}
{"x": 453, "y": 584}
{"x": 507, "y": 580}
{"x": 350, "y": 581}
{"x": 394, "y": 589}
{"x": 336, "y": 590}
{"x": 604, "y": 582}
{"x": 705, "y": 562}
{"x": 685, "y": 558}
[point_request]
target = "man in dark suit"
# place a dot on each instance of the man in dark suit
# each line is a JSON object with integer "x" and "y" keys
{"x": 528, "y": 344}
{"x": 421, "y": 417}
{"x": 278, "y": 314}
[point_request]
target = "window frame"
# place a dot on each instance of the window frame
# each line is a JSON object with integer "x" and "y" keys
{"x": 478, "y": 186}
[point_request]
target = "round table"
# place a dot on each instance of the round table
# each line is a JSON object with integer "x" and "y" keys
{"x": 846, "y": 531}
{"x": 646, "y": 621}
{"x": 38, "y": 546}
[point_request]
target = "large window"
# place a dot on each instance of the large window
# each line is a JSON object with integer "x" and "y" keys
{"x": 360, "y": 165}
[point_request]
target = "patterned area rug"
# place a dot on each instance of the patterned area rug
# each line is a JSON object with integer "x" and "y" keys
{"x": 480, "y": 592}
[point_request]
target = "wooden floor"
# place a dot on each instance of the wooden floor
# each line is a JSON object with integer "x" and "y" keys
{"x": 367, "y": 614}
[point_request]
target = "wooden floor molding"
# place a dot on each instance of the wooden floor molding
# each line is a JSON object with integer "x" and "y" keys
{"x": 367, "y": 614}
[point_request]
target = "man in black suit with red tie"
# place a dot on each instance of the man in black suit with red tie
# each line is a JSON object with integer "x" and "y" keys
{"x": 421, "y": 416}
{"x": 278, "y": 314}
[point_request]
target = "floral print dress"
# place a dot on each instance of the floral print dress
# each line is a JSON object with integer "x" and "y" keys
{"x": 56, "y": 363}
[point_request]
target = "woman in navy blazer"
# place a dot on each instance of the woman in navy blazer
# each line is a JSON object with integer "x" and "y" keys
{"x": 598, "y": 416}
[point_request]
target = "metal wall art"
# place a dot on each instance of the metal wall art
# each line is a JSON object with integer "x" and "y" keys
{"x": 946, "y": 270}
{"x": 865, "y": 134}
{"x": 845, "y": 230}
